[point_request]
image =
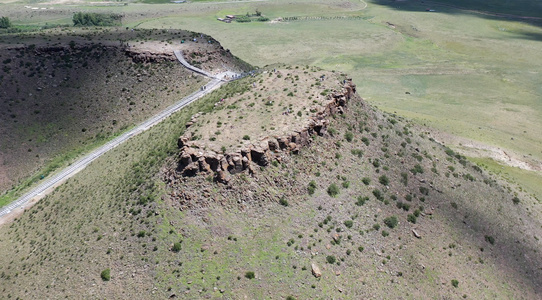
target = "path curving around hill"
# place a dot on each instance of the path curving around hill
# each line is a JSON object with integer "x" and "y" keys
{"x": 15, "y": 208}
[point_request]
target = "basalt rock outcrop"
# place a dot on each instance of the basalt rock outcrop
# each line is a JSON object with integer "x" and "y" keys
{"x": 193, "y": 159}
{"x": 148, "y": 57}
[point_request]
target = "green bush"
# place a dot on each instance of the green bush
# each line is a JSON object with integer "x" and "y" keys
{"x": 357, "y": 152}
{"x": 250, "y": 275}
{"x": 385, "y": 233}
{"x": 490, "y": 239}
{"x": 449, "y": 151}
{"x": 331, "y": 259}
{"x": 243, "y": 19}
{"x": 404, "y": 178}
{"x": 366, "y": 180}
{"x": 333, "y": 190}
{"x": 384, "y": 180}
{"x": 246, "y": 137}
{"x": 411, "y": 218}
{"x": 106, "y": 274}
{"x": 312, "y": 187}
{"x": 346, "y": 184}
{"x": 176, "y": 247}
{"x": 391, "y": 221}
{"x": 348, "y": 223}
{"x": 349, "y": 136}
{"x": 424, "y": 190}
{"x": 455, "y": 283}
{"x": 5, "y": 22}
{"x": 378, "y": 194}
{"x": 96, "y": 19}
{"x": 283, "y": 202}
{"x": 404, "y": 206}
{"x": 417, "y": 169}
{"x": 361, "y": 200}
{"x": 515, "y": 200}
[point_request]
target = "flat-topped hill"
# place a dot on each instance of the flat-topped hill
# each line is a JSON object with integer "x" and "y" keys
{"x": 279, "y": 111}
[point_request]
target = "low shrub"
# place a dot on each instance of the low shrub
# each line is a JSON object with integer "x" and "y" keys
{"x": 490, "y": 239}
{"x": 391, "y": 221}
{"x": 361, "y": 200}
{"x": 312, "y": 187}
{"x": 384, "y": 180}
{"x": 176, "y": 247}
{"x": 106, "y": 274}
{"x": 455, "y": 283}
{"x": 417, "y": 169}
{"x": 333, "y": 190}
{"x": 349, "y": 136}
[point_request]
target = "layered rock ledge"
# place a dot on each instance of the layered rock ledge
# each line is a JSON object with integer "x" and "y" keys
{"x": 196, "y": 158}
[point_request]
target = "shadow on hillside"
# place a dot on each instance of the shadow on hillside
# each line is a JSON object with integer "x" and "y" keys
{"x": 527, "y": 12}
{"x": 514, "y": 251}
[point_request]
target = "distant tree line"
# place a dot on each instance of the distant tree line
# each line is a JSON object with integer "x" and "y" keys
{"x": 5, "y": 22}
{"x": 96, "y": 19}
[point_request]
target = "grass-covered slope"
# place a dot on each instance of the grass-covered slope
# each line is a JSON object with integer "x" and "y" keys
{"x": 333, "y": 205}
{"x": 350, "y": 203}
{"x": 104, "y": 217}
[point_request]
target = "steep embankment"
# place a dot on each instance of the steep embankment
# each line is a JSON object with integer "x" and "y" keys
{"x": 370, "y": 205}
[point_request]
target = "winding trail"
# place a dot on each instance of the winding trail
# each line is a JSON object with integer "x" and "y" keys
{"x": 50, "y": 184}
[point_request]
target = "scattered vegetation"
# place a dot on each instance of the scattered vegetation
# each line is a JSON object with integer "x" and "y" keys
{"x": 96, "y": 19}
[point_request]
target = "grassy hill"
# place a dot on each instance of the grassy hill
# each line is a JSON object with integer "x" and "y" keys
{"x": 347, "y": 203}
{"x": 376, "y": 202}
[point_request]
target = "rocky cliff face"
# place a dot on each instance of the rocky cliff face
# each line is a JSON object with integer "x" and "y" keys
{"x": 194, "y": 159}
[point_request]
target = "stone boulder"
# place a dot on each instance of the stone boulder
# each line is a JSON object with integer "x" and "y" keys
{"x": 316, "y": 271}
